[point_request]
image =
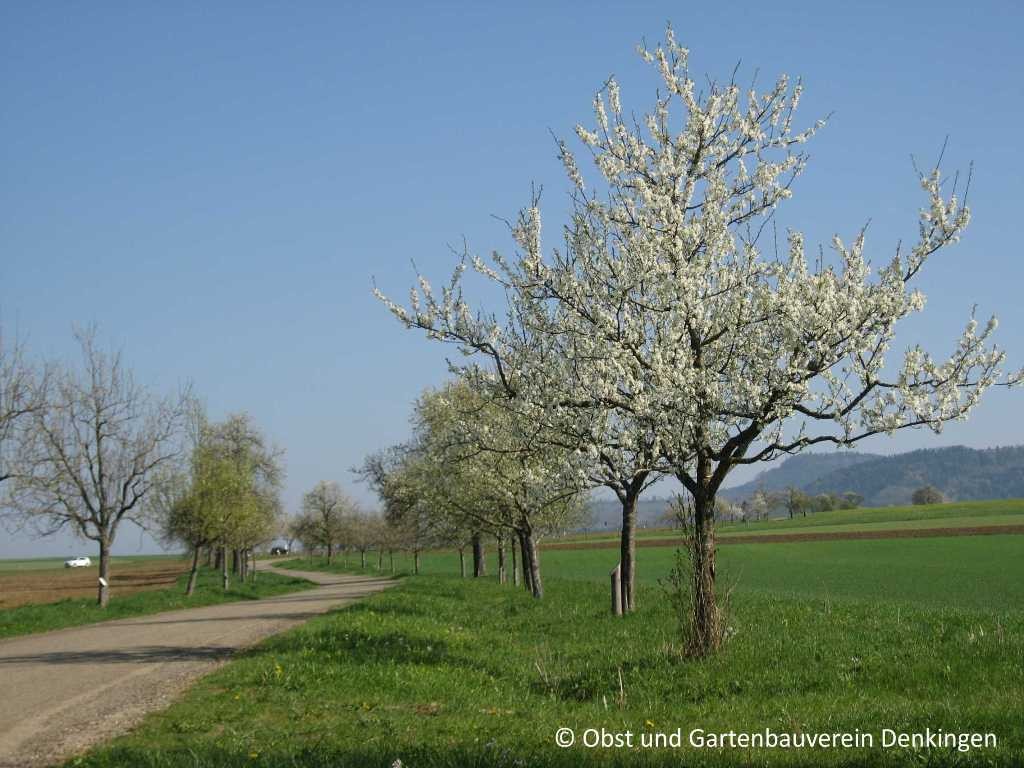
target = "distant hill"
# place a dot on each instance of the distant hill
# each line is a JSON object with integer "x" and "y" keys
{"x": 962, "y": 474}
{"x": 799, "y": 471}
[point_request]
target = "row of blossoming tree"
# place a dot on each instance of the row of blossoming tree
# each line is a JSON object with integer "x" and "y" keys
{"x": 665, "y": 337}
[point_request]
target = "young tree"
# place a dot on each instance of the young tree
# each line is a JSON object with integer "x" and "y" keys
{"x": 362, "y": 534}
{"x": 674, "y": 317}
{"x": 326, "y": 509}
{"x": 797, "y": 502}
{"x": 90, "y": 458}
{"x": 246, "y": 475}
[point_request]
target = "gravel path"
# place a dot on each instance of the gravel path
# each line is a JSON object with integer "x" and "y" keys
{"x": 64, "y": 691}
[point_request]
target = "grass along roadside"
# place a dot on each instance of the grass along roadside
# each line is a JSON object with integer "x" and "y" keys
{"x": 441, "y": 672}
{"x": 73, "y": 612}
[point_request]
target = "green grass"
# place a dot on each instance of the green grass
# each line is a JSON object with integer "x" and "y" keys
{"x": 966, "y": 571}
{"x": 953, "y": 515}
{"x": 1009, "y": 510}
{"x": 445, "y": 672}
{"x": 76, "y": 611}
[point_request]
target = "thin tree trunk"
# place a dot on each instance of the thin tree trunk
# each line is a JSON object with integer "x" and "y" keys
{"x": 362, "y": 559}
{"x": 254, "y": 566}
{"x": 479, "y": 566}
{"x": 462, "y": 561}
{"x": 103, "y": 597}
{"x": 193, "y": 574}
{"x": 330, "y": 553}
{"x": 218, "y": 556}
{"x": 380, "y": 559}
{"x": 515, "y": 567}
{"x": 502, "y": 576}
{"x": 416, "y": 561}
{"x": 224, "y": 568}
{"x": 236, "y": 563}
{"x": 536, "y": 585}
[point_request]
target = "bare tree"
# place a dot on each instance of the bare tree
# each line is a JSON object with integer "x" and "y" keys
{"x": 325, "y": 509}
{"x": 94, "y": 452}
{"x": 20, "y": 396}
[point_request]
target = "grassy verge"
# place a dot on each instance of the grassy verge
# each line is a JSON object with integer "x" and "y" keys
{"x": 72, "y": 612}
{"x": 444, "y": 672}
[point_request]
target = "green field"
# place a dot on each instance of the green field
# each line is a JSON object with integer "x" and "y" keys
{"x": 954, "y": 515}
{"x": 76, "y": 611}
{"x": 51, "y": 563}
{"x": 826, "y": 637}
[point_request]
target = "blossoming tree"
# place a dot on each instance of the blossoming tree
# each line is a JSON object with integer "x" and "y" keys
{"x": 663, "y": 307}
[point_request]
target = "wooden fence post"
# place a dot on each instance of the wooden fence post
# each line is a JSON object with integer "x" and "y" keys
{"x": 617, "y": 590}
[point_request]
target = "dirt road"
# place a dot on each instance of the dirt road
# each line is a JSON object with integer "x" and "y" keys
{"x": 64, "y": 691}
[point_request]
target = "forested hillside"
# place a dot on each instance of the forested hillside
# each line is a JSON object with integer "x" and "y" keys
{"x": 962, "y": 474}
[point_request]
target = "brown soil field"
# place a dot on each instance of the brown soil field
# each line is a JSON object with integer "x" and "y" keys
{"x": 48, "y": 586}
{"x": 776, "y": 538}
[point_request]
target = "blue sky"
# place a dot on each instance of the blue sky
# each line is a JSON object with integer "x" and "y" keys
{"x": 217, "y": 185}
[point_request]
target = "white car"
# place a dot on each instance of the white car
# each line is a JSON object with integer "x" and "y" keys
{"x": 78, "y": 562}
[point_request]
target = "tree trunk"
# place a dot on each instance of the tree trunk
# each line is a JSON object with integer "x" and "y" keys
{"x": 193, "y": 574}
{"x": 479, "y": 566}
{"x": 462, "y": 561}
{"x": 525, "y": 561}
{"x": 103, "y": 597}
{"x": 627, "y": 547}
{"x": 380, "y": 559}
{"x": 707, "y": 634}
{"x": 536, "y": 585}
{"x": 236, "y": 563}
{"x": 224, "y": 568}
{"x": 502, "y": 577}
{"x": 218, "y": 556}
{"x": 416, "y": 561}
{"x": 362, "y": 559}
{"x": 515, "y": 568}
{"x": 330, "y": 553}
{"x": 254, "y": 567}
